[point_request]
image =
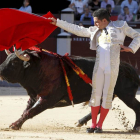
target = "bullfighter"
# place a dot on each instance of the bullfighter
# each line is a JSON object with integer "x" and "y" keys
{"x": 107, "y": 38}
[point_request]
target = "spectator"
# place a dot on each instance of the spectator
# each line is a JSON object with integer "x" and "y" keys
{"x": 113, "y": 14}
{"x": 87, "y": 15}
{"x": 78, "y": 6}
{"x": 110, "y": 10}
{"x": 105, "y": 2}
{"x": 126, "y": 16}
{"x": 94, "y": 5}
{"x": 131, "y": 4}
{"x": 26, "y": 6}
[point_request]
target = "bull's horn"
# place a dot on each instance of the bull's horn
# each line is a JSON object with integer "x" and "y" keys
{"x": 7, "y": 52}
{"x": 24, "y": 57}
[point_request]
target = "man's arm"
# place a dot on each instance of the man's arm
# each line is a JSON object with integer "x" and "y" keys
{"x": 125, "y": 49}
{"x": 82, "y": 17}
{"x": 72, "y": 28}
{"x": 113, "y": 5}
{"x": 136, "y": 8}
{"x": 71, "y": 6}
{"x": 130, "y": 32}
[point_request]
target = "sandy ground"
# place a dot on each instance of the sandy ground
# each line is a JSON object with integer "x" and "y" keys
{"x": 59, "y": 123}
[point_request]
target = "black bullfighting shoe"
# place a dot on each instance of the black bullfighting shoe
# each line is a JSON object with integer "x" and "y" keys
{"x": 90, "y": 130}
{"x": 98, "y": 130}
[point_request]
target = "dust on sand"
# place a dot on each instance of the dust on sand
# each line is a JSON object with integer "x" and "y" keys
{"x": 59, "y": 123}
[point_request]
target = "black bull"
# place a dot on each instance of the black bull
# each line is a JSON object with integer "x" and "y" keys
{"x": 43, "y": 78}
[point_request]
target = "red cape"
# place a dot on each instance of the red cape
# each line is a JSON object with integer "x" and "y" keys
{"x": 23, "y": 29}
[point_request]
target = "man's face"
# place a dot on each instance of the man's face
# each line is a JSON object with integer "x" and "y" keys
{"x": 86, "y": 10}
{"x": 126, "y": 10}
{"x": 109, "y": 9}
{"x": 26, "y": 3}
{"x": 99, "y": 23}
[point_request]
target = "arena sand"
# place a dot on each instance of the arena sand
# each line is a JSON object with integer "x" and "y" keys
{"x": 59, "y": 123}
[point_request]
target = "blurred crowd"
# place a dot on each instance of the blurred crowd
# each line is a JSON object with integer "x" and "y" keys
{"x": 127, "y": 10}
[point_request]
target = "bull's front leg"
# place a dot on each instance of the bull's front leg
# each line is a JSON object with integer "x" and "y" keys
{"x": 17, "y": 125}
{"x": 38, "y": 107}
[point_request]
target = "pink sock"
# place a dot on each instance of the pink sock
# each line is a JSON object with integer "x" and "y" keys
{"x": 94, "y": 113}
{"x": 103, "y": 114}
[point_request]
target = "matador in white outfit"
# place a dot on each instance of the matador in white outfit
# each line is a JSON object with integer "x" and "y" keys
{"x": 107, "y": 45}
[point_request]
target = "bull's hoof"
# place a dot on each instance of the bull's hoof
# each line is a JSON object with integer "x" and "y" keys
{"x": 137, "y": 129}
{"x": 13, "y": 126}
{"x": 78, "y": 124}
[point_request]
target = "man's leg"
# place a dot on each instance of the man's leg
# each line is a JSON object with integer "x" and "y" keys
{"x": 106, "y": 104}
{"x": 103, "y": 114}
{"x": 98, "y": 83}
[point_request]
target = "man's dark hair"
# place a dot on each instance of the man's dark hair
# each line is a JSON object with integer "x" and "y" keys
{"x": 108, "y": 6}
{"x": 27, "y": 1}
{"x": 125, "y": 7}
{"x": 102, "y": 14}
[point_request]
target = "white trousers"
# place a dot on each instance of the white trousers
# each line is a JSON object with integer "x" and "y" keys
{"x": 102, "y": 82}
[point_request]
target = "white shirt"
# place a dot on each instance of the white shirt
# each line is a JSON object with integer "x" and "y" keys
{"x": 79, "y": 5}
{"x": 104, "y": 48}
{"x": 111, "y": 2}
{"x": 27, "y": 9}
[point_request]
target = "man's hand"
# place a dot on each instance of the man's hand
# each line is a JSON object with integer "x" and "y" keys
{"x": 53, "y": 21}
{"x": 125, "y": 49}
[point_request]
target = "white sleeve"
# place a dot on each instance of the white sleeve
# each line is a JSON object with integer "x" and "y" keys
{"x": 130, "y": 32}
{"x": 72, "y": 28}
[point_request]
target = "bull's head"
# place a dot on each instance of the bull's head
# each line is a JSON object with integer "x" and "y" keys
{"x": 24, "y": 57}
{"x": 15, "y": 65}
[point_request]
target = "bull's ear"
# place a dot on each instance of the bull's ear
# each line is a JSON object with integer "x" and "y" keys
{"x": 26, "y": 64}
